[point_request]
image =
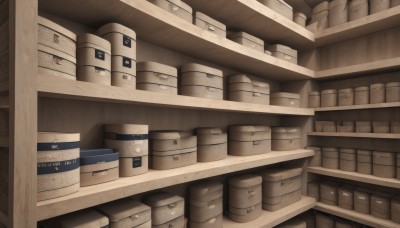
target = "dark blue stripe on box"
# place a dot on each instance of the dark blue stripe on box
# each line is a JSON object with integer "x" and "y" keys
{"x": 57, "y": 146}
{"x": 123, "y": 137}
{"x": 96, "y": 156}
{"x": 57, "y": 167}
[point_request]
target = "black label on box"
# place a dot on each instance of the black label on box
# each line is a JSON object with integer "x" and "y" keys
{"x": 127, "y": 41}
{"x": 98, "y": 54}
{"x": 136, "y": 162}
{"x": 126, "y": 62}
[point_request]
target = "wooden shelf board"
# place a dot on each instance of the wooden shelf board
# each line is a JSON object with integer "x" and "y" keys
{"x": 355, "y": 216}
{"x": 356, "y": 135}
{"x": 370, "y": 179}
{"x": 51, "y": 86}
{"x": 356, "y": 107}
{"x": 128, "y": 186}
{"x": 258, "y": 20}
{"x": 373, "y": 23}
{"x": 4, "y": 102}
{"x": 271, "y": 219}
{"x": 360, "y": 69}
{"x": 3, "y": 141}
{"x": 160, "y": 27}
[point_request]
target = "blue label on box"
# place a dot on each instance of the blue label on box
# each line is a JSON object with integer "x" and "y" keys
{"x": 127, "y": 41}
{"x": 57, "y": 167}
{"x": 136, "y": 162}
{"x": 98, "y": 54}
{"x": 57, "y": 146}
{"x": 115, "y": 136}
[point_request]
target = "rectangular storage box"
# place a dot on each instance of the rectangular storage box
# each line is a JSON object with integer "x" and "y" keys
{"x": 131, "y": 141}
{"x": 345, "y": 197}
{"x": 330, "y": 157}
{"x": 157, "y": 77}
{"x": 127, "y": 213}
{"x": 329, "y": 193}
{"x": 283, "y": 52}
{"x": 363, "y": 127}
{"x": 362, "y": 201}
{"x": 393, "y": 92}
{"x": 345, "y": 126}
{"x": 201, "y": 81}
{"x": 325, "y": 126}
{"x": 245, "y": 196}
{"x": 98, "y": 166}
{"x": 166, "y": 208}
{"x": 384, "y": 164}
{"x": 324, "y": 221}
{"x": 280, "y": 188}
{"x": 395, "y": 127}
{"x": 172, "y": 149}
{"x": 380, "y": 127}
{"x": 285, "y": 138}
{"x": 364, "y": 162}
{"x": 313, "y": 190}
{"x": 380, "y": 206}
{"x": 212, "y": 144}
{"x": 338, "y": 12}
{"x": 314, "y": 99}
{"x": 206, "y": 202}
{"x": 249, "y": 89}
{"x": 56, "y": 63}
{"x": 57, "y": 164}
{"x": 361, "y": 95}
{"x": 348, "y": 160}
{"x": 329, "y": 98}
{"x": 279, "y": 6}
{"x": 316, "y": 160}
{"x": 85, "y": 218}
{"x": 358, "y": 9}
{"x": 249, "y": 140}
{"x": 176, "y": 7}
{"x": 395, "y": 210}
{"x": 214, "y": 222}
{"x": 205, "y": 22}
{"x": 286, "y": 99}
{"x": 247, "y": 40}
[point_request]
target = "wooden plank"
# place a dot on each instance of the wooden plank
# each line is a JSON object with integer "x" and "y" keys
{"x": 387, "y": 182}
{"x": 128, "y": 186}
{"x": 255, "y": 18}
{"x": 373, "y": 23}
{"x": 155, "y": 25}
{"x": 4, "y": 86}
{"x": 355, "y": 216}
{"x": 379, "y": 66}
{"x": 356, "y": 135}
{"x": 23, "y": 113}
{"x": 3, "y": 141}
{"x": 358, "y": 107}
{"x": 3, "y": 219}
{"x": 274, "y": 218}
{"x": 50, "y": 86}
{"x": 4, "y": 102}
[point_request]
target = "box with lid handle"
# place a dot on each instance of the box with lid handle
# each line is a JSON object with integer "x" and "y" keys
{"x": 127, "y": 213}
{"x": 393, "y": 92}
{"x": 131, "y": 141}
{"x": 377, "y": 93}
{"x": 249, "y": 89}
{"x": 57, "y": 164}
{"x": 279, "y": 6}
{"x": 316, "y": 159}
{"x": 300, "y": 19}
{"x": 361, "y": 95}
{"x": 330, "y": 157}
{"x": 324, "y": 220}
{"x": 314, "y": 99}
{"x": 384, "y": 164}
{"x": 280, "y": 187}
{"x": 123, "y": 54}
{"x": 329, "y": 193}
{"x": 88, "y": 218}
{"x": 285, "y": 138}
{"x": 205, "y": 22}
{"x": 285, "y": 99}
{"x": 212, "y": 144}
{"x": 94, "y": 59}
{"x": 313, "y": 190}
{"x": 345, "y": 197}
{"x": 157, "y": 77}
{"x": 348, "y": 160}
{"x": 98, "y": 166}
{"x": 245, "y": 196}
{"x": 346, "y": 97}
{"x": 380, "y": 205}
{"x": 172, "y": 149}
{"x": 167, "y": 210}
{"x": 395, "y": 209}
{"x": 329, "y": 98}
{"x": 345, "y": 126}
{"x": 201, "y": 81}
{"x": 247, "y": 40}
{"x": 283, "y": 52}
{"x": 364, "y": 161}
{"x": 358, "y": 9}
{"x": 176, "y": 7}
{"x": 338, "y": 12}
{"x": 249, "y": 140}
{"x": 362, "y": 201}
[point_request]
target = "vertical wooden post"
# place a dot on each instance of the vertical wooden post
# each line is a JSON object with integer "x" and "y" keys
{"x": 23, "y": 113}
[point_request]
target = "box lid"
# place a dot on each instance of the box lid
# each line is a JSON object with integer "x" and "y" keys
{"x": 363, "y": 123}
{"x": 249, "y": 128}
{"x": 361, "y": 88}
{"x": 329, "y": 91}
{"x": 330, "y": 149}
{"x": 346, "y": 90}
{"x": 243, "y": 78}
{"x": 335, "y": 3}
{"x": 285, "y": 129}
{"x": 346, "y": 188}
{"x": 116, "y": 28}
{"x": 382, "y": 154}
{"x": 54, "y": 52}
{"x": 314, "y": 93}
{"x": 285, "y": 95}
{"x": 245, "y": 180}
{"x": 162, "y": 199}
{"x": 165, "y": 135}
{"x": 392, "y": 84}
{"x": 121, "y": 209}
{"x": 174, "y": 152}
{"x": 299, "y": 14}
{"x": 205, "y": 189}
{"x": 283, "y": 49}
{"x": 208, "y": 131}
{"x": 56, "y": 27}
{"x": 377, "y": 86}
{"x": 330, "y": 184}
{"x": 314, "y": 148}
{"x": 127, "y": 128}
{"x": 82, "y": 219}
{"x": 210, "y": 20}
{"x": 280, "y": 174}
{"x": 87, "y": 39}
{"x": 321, "y": 7}
{"x": 95, "y": 156}
{"x": 364, "y": 152}
{"x": 182, "y": 5}
{"x": 347, "y": 150}
{"x": 246, "y": 36}
{"x": 57, "y": 137}
{"x": 381, "y": 123}
{"x": 194, "y": 67}
{"x": 156, "y": 67}
{"x": 344, "y": 123}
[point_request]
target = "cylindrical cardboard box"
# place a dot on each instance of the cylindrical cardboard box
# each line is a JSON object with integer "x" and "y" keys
{"x": 379, "y": 5}
{"x": 348, "y": 160}
{"x": 393, "y": 92}
{"x": 314, "y": 99}
{"x": 300, "y": 19}
{"x": 329, "y": 98}
{"x": 346, "y": 97}
{"x": 358, "y": 9}
{"x": 338, "y": 12}
{"x": 361, "y": 95}
{"x": 377, "y": 93}
{"x": 364, "y": 162}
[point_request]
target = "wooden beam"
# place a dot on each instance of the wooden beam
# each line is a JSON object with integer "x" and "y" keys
{"x": 23, "y": 113}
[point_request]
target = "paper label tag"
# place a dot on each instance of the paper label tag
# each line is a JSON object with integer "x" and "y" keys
{"x": 98, "y": 54}
{"x": 126, "y": 62}
{"x": 126, "y": 41}
{"x": 136, "y": 162}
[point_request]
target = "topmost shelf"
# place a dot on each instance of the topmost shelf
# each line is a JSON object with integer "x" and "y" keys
{"x": 373, "y": 23}
{"x": 253, "y": 17}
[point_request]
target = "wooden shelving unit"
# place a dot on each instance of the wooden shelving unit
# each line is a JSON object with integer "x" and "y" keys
{"x": 370, "y": 179}
{"x": 358, "y": 107}
{"x": 356, "y": 135}
{"x": 376, "y": 22}
{"x": 258, "y": 20}
{"x": 271, "y": 219}
{"x": 355, "y": 216}
{"x": 128, "y": 186}
{"x": 169, "y": 31}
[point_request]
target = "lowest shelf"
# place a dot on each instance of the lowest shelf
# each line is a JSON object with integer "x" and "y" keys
{"x": 51, "y": 86}
{"x": 157, "y": 26}
{"x": 370, "y": 179}
{"x": 355, "y": 135}
{"x": 355, "y": 216}
{"x": 155, "y": 179}
{"x": 271, "y": 219}
{"x": 358, "y": 107}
